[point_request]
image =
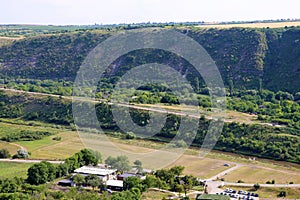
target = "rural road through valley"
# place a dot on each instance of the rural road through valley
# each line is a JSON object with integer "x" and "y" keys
{"x": 156, "y": 109}
{"x": 159, "y": 110}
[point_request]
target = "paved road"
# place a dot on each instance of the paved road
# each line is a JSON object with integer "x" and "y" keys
{"x": 225, "y": 172}
{"x": 213, "y": 187}
{"x": 159, "y": 110}
{"x": 30, "y": 161}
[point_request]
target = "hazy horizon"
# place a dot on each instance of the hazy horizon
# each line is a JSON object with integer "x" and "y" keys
{"x": 89, "y": 12}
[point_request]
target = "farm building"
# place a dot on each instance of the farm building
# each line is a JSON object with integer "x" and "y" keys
{"x": 135, "y": 170}
{"x": 116, "y": 185}
{"x": 122, "y": 177}
{"x": 66, "y": 183}
{"x": 104, "y": 174}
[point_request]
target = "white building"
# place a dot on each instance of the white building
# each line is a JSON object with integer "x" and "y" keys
{"x": 104, "y": 174}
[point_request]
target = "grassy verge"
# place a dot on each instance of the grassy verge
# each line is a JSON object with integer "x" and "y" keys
{"x": 50, "y": 149}
{"x": 11, "y": 169}
{"x": 254, "y": 174}
{"x": 154, "y": 195}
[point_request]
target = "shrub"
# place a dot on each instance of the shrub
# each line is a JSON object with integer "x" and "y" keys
{"x": 26, "y": 136}
{"x": 256, "y": 186}
{"x": 180, "y": 144}
{"x": 282, "y": 194}
{"x": 57, "y": 138}
{"x": 21, "y": 154}
{"x": 4, "y": 153}
{"x": 130, "y": 136}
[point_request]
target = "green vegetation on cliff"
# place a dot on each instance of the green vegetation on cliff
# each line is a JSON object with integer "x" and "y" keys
{"x": 247, "y": 58}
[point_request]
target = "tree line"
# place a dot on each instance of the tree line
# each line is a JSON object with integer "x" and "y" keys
{"x": 280, "y": 143}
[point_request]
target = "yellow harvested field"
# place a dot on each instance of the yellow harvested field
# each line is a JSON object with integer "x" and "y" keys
{"x": 254, "y": 174}
{"x": 153, "y": 159}
{"x": 7, "y": 40}
{"x": 147, "y": 151}
{"x": 139, "y": 150}
{"x": 12, "y": 148}
{"x": 200, "y": 167}
{"x": 252, "y": 25}
{"x": 54, "y": 150}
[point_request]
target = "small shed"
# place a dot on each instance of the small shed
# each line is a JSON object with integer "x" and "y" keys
{"x": 116, "y": 185}
{"x": 66, "y": 183}
{"x": 122, "y": 177}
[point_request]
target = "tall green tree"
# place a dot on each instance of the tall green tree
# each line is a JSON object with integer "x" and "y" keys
{"x": 138, "y": 164}
{"x": 93, "y": 180}
{"x": 41, "y": 173}
{"x": 121, "y": 163}
{"x": 188, "y": 183}
{"x": 79, "y": 180}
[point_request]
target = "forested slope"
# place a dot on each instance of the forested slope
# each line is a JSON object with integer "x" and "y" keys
{"x": 48, "y": 57}
{"x": 282, "y": 63}
{"x": 246, "y": 58}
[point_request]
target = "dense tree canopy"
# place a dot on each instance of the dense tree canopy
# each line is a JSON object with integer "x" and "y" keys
{"x": 40, "y": 173}
{"x": 121, "y": 163}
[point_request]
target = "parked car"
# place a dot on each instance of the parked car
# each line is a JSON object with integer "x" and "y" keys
{"x": 107, "y": 190}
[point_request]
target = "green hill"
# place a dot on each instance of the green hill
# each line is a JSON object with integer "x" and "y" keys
{"x": 247, "y": 58}
{"x": 47, "y": 56}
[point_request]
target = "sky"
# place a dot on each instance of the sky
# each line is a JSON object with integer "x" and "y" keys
{"x": 80, "y": 12}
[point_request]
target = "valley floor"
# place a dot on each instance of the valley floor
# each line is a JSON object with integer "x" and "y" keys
{"x": 231, "y": 168}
